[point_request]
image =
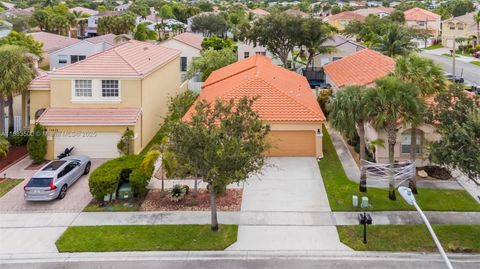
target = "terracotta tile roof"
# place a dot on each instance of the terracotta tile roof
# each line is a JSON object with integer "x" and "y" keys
{"x": 52, "y": 42}
{"x": 346, "y": 15}
{"x": 360, "y": 68}
{"x": 190, "y": 39}
{"x": 295, "y": 12}
{"x": 420, "y": 14}
{"x": 260, "y": 12}
{"x": 131, "y": 59}
{"x": 374, "y": 10}
{"x": 108, "y": 38}
{"x": 41, "y": 82}
{"x": 89, "y": 116}
{"x": 284, "y": 96}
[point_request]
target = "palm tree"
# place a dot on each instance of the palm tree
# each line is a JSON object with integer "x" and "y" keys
{"x": 16, "y": 72}
{"x": 397, "y": 41}
{"x": 143, "y": 33}
{"x": 348, "y": 115}
{"x": 4, "y": 145}
{"x": 429, "y": 79}
{"x": 476, "y": 18}
{"x": 391, "y": 102}
{"x": 315, "y": 33}
{"x": 373, "y": 144}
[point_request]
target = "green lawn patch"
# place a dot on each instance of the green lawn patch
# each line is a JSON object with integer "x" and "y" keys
{"x": 114, "y": 206}
{"x": 340, "y": 190}
{"x": 432, "y": 47}
{"x": 7, "y": 184}
{"x": 475, "y": 63}
{"x": 454, "y": 238}
{"x": 449, "y": 55}
{"x": 146, "y": 238}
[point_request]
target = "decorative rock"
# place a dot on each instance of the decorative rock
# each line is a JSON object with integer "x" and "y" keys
{"x": 422, "y": 174}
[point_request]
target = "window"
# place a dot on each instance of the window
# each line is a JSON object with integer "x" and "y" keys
{"x": 421, "y": 23}
{"x": 62, "y": 59}
{"x": 109, "y": 88}
{"x": 246, "y": 54}
{"x": 460, "y": 26}
{"x": 261, "y": 53}
{"x": 183, "y": 64}
{"x": 407, "y": 143}
{"x": 451, "y": 26}
{"x": 76, "y": 58}
{"x": 83, "y": 88}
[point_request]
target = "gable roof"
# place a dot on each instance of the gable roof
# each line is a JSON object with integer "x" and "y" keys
{"x": 420, "y": 14}
{"x": 190, "y": 39}
{"x": 260, "y": 12}
{"x": 89, "y": 116}
{"x": 107, "y": 38}
{"x": 374, "y": 10}
{"x": 295, "y": 12}
{"x": 129, "y": 59}
{"x": 284, "y": 96}
{"x": 346, "y": 15}
{"x": 338, "y": 40}
{"x": 360, "y": 68}
{"x": 84, "y": 10}
{"x": 467, "y": 19}
{"x": 52, "y": 42}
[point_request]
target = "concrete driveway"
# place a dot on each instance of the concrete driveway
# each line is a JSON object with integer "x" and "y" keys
{"x": 77, "y": 198}
{"x": 288, "y": 186}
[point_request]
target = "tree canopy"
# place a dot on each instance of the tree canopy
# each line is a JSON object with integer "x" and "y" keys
{"x": 217, "y": 43}
{"x": 211, "y": 60}
{"x": 210, "y": 25}
{"x": 22, "y": 40}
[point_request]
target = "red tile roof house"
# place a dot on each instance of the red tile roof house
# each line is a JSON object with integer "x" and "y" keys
{"x": 285, "y": 102}
{"x": 89, "y": 104}
{"x": 363, "y": 68}
{"x": 51, "y": 43}
{"x": 419, "y": 18}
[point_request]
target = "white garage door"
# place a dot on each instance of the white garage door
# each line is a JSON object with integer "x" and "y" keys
{"x": 95, "y": 145}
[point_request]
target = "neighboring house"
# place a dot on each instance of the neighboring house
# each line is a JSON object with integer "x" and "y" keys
{"x": 342, "y": 19}
{"x": 190, "y": 46}
{"x": 295, "y": 13}
{"x": 18, "y": 12}
{"x": 459, "y": 27}
{"x": 92, "y": 23}
{"x": 419, "y": 18}
{"x": 5, "y": 28}
{"x": 360, "y": 68}
{"x": 285, "y": 102}
{"x": 80, "y": 50}
{"x": 247, "y": 49}
{"x": 123, "y": 7}
{"x": 341, "y": 47}
{"x": 378, "y": 11}
{"x": 84, "y": 10}
{"x": 258, "y": 13}
{"x": 51, "y": 43}
{"x": 90, "y": 104}
{"x": 363, "y": 68}
{"x": 8, "y": 5}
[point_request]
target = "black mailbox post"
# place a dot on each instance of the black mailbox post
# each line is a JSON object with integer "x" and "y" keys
{"x": 364, "y": 219}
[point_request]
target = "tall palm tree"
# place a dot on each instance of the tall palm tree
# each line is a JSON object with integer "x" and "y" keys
{"x": 429, "y": 79}
{"x": 16, "y": 72}
{"x": 397, "y": 41}
{"x": 476, "y": 18}
{"x": 391, "y": 102}
{"x": 315, "y": 34}
{"x": 348, "y": 115}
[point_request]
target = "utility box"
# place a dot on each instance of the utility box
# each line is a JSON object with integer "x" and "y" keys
{"x": 110, "y": 197}
{"x": 125, "y": 191}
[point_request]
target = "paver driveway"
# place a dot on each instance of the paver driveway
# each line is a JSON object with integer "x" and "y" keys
{"x": 77, "y": 198}
{"x": 288, "y": 185}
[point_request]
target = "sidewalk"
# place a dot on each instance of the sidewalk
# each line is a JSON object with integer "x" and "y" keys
{"x": 459, "y": 57}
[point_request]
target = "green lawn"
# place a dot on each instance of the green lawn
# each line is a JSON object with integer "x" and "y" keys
{"x": 146, "y": 238}
{"x": 8, "y": 184}
{"x": 432, "y": 47}
{"x": 114, "y": 206}
{"x": 449, "y": 55}
{"x": 340, "y": 190}
{"x": 454, "y": 238}
{"x": 476, "y": 63}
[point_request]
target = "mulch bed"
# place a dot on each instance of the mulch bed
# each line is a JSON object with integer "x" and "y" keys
{"x": 15, "y": 153}
{"x": 157, "y": 200}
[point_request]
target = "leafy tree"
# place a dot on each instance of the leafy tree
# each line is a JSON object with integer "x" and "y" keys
{"x": 476, "y": 18}
{"x": 22, "y": 40}
{"x": 210, "y": 25}
{"x": 232, "y": 140}
{"x": 390, "y": 102}
{"x": 397, "y": 41}
{"x": 279, "y": 34}
{"x": 209, "y": 61}
{"x": 143, "y": 33}
{"x": 205, "y": 5}
{"x": 460, "y": 7}
{"x": 397, "y": 16}
{"x": 54, "y": 18}
{"x": 166, "y": 12}
{"x": 217, "y": 43}
{"x": 456, "y": 117}
{"x": 335, "y": 9}
{"x": 348, "y": 115}
{"x": 20, "y": 23}
{"x": 117, "y": 25}
{"x": 16, "y": 73}
{"x": 314, "y": 34}
{"x": 4, "y": 145}
{"x": 125, "y": 145}
{"x": 37, "y": 144}
{"x": 140, "y": 8}
{"x": 429, "y": 78}
{"x": 406, "y": 5}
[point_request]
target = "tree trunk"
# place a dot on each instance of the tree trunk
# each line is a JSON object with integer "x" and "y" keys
{"x": 363, "y": 172}
{"x": 284, "y": 59}
{"x": 412, "y": 184}
{"x": 478, "y": 33}
{"x": 2, "y": 115}
{"x": 392, "y": 139}
{"x": 10, "y": 115}
{"x": 163, "y": 177}
{"x": 213, "y": 207}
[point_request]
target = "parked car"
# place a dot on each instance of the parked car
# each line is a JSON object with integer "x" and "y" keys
{"x": 456, "y": 79}
{"x": 476, "y": 54}
{"x": 54, "y": 178}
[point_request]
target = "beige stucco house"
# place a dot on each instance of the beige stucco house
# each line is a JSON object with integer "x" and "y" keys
{"x": 419, "y": 18}
{"x": 459, "y": 27}
{"x": 89, "y": 104}
{"x": 51, "y": 43}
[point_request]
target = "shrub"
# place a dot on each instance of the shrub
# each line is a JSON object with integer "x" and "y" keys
{"x": 125, "y": 145}
{"x": 323, "y": 100}
{"x": 140, "y": 177}
{"x": 37, "y": 144}
{"x": 177, "y": 193}
{"x": 19, "y": 138}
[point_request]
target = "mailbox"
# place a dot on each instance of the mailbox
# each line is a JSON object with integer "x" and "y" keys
{"x": 362, "y": 217}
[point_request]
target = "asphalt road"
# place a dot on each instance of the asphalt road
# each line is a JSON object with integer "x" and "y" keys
{"x": 277, "y": 263}
{"x": 471, "y": 73}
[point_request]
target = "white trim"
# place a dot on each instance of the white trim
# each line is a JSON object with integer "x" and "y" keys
{"x": 96, "y": 92}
